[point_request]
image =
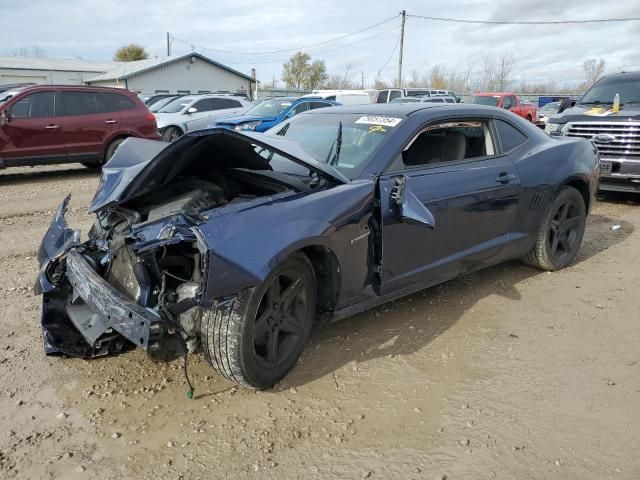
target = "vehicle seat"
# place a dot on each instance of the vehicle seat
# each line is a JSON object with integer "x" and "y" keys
{"x": 426, "y": 149}
{"x": 455, "y": 146}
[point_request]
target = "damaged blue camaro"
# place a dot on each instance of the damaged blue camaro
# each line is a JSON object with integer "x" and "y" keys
{"x": 232, "y": 243}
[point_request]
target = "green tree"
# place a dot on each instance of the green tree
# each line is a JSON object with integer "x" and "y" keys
{"x": 296, "y": 71}
{"x": 130, "y": 53}
{"x": 316, "y": 75}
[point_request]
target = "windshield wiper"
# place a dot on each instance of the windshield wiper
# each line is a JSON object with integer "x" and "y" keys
{"x": 596, "y": 102}
{"x": 338, "y": 144}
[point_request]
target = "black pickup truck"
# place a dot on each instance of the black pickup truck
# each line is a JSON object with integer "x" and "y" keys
{"x": 615, "y": 134}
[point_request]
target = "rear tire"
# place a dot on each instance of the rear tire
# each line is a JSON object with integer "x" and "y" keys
{"x": 171, "y": 134}
{"x": 560, "y": 234}
{"x": 255, "y": 338}
{"x": 111, "y": 150}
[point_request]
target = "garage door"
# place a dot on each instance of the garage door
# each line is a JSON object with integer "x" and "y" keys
{"x": 22, "y": 79}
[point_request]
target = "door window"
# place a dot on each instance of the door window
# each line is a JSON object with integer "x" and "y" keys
{"x": 203, "y": 105}
{"x": 394, "y": 94}
{"x": 117, "y": 102}
{"x": 80, "y": 103}
{"x": 450, "y": 141}
{"x": 382, "y": 96}
{"x": 506, "y": 103}
{"x": 510, "y": 137}
{"x": 315, "y": 105}
{"x": 222, "y": 103}
{"x": 301, "y": 107}
{"x": 36, "y": 105}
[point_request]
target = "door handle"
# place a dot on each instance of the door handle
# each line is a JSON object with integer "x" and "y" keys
{"x": 52, "y": 127}
{"x": 505, "y": 177}
{"x": 110, "y": 121}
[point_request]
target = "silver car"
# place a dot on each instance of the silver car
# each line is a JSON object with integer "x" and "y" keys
{"x": 195, "y": 112}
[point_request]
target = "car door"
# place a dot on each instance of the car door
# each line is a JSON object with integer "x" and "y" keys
{"x": 447, "y": 204}
{"x": 203, "y": 108}
{"x": 33, "y": 133}
{"x": 219, "y": 108}
{"x": 88, "y": 124}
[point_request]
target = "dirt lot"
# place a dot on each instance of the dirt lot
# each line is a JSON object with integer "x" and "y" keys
{"x": 508, "y": 373}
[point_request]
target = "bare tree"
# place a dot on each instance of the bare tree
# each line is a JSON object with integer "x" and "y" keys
{"x": 593, "y": 69}
{"x": 504, "y": 71}
{"x": 436, "y": 77}
{"x": 342, "y": 81}
{"x": 34, "y": 50}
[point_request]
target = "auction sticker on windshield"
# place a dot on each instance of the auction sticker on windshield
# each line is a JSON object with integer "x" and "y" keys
{"x": 379, "y": 120}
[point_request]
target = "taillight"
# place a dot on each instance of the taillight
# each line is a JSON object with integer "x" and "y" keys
{"x": 150, "y": 116}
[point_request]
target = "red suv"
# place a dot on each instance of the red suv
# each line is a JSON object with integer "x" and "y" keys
{"x": 48, "y": 124}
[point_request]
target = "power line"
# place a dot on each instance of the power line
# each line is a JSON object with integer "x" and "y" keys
{"x": 524, "y": 22}
{"x": 194, "y": 45}
{"x": 379, "y": 34}
{"x": 395, "y": 47}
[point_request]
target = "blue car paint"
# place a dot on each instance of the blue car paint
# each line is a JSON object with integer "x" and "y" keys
{"x": 452, "y": 219}
{"x": 268, "y": 122}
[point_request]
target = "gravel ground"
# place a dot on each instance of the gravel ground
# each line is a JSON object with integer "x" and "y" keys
{"x": 508, "y": 373}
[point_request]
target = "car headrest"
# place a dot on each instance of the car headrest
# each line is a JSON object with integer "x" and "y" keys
{"x": 455, "y": 146}
{"x": 425, "y": 149}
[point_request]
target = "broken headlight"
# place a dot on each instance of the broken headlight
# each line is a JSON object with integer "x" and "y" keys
{"x": 248, "y": 125}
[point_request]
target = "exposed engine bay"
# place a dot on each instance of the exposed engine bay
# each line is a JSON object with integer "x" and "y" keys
{"x": 139, "y": 276}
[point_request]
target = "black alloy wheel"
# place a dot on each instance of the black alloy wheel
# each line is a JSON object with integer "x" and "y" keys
{"x": 564, "y": 229}
{"x": 280, "y": 318}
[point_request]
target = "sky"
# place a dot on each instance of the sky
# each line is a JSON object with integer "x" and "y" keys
{"x": 94, "y": 30}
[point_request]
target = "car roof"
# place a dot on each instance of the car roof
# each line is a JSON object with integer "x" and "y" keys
{"x": 493, "y": 94}
{"x": 36, "y": 88}
{"x": 404, "y": 109}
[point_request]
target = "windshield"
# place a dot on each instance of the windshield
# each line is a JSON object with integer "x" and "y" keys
{"x": 176, "y": 105}
{"x": 491, "y": 100}
{"x": 270, "y": 108}
{"x": 345, "y": 141}
{"x": 4, "y": 96}
{"x": 605, "y": 91}
{"x": 157, "y": 105}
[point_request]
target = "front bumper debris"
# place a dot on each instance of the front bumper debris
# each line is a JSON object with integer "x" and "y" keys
{"x": 82, "y": 314}
{"x": 103, "y": 308}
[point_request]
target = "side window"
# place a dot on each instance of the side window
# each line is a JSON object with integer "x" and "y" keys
{"x": 394, "y": 94}
{"x": 79, "y": 103}
{"x": 203, "y": 105}
{"x": 222, "y": 103}
{"x": 315, "y": 105}
{"x": 36, "y": 105}
{"x": 506, "y": 102}
{"x": 117, "y": 102}
{"x": 449, "y": 142}
{"x": 301, "y": 107}
{"x": 513, "y": 101}
{"x": 510, "y": 137}
{"x": 382, "y": 96}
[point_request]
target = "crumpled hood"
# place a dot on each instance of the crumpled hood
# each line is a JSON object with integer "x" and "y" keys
{"x": 245, "y": 119}
{"x": 596, "y": 113}
{"x": 139, "y": 166}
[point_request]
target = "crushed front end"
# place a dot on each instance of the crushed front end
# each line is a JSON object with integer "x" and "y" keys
{"x": 126, "y": 286}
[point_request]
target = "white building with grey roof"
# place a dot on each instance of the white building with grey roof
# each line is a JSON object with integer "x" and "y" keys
{"x": 191, "y": 73}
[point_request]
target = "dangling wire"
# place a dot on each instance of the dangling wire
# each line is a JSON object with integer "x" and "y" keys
{"x": 186, "y": 376}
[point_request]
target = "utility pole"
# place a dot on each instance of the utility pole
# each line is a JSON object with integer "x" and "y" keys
{"x": 362, "y": 79}
{"x": 404, "y": 16}
{"x": 168, "y": 45}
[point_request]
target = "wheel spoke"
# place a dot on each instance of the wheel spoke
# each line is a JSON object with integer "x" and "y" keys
{"x": 571, "y": 223}
{"x": 566, "y": 244}
{"x": 291, "y": 324}
{"x": 554, "y": 225}
{"x": 273, "y": 293}
{"x": 261, "y": 326}
{"x": 564, "y": 210}
{"x": 291, "y": 292}
{"x": 272, "y": 346}
{"x": 554, "y": 243}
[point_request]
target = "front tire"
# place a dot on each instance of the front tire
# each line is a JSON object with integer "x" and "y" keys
{"x": 255, "y": 338}
{"x": 171, "y": 134}
{"x": 561, "y": 231}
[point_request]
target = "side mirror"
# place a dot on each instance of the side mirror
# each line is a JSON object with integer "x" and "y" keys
{"x": 506, "y": 107}
{"x": 4, "y": 118}
{"x": 407, "y": 206}
{"x": 192, "y": 110}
